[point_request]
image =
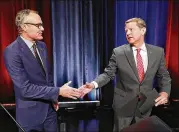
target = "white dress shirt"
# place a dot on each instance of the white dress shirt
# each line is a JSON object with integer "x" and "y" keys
{"x": 143, "y": 53}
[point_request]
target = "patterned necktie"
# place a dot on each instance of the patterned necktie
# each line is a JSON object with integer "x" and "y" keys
{"x": 38, "y": 57}
{"x": 140, "y": 66}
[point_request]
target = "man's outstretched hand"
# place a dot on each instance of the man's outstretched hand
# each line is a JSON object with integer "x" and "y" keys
{"x": 86, "y": 88}
{"x": 69, "y": 92}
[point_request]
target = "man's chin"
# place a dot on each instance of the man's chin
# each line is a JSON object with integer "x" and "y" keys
{"x": 39, "y": 38}
{"x": 131, "y": 42}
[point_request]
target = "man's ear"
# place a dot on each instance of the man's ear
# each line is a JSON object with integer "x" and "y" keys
{"x": 24, "y": 27}
{"x": 143, "y": 30}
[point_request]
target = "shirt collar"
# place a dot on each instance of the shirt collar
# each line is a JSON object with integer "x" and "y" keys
{"x": 143, "y": 47}
{"x": 28, "y": 42}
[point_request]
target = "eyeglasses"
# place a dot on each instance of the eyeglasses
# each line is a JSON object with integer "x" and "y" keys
{"x": 39, "y": 25}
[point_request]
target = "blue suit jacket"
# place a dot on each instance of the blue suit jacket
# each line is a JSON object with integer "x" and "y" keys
{"x": 34, "y": 91}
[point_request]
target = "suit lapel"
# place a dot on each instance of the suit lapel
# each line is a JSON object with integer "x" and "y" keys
{"x": 42, "y": 55}
{"x": 130, "y": 57}
{"x": 151, "y": 59}
{"x": 25, "y": 50}
{"x": 28, "y": 53}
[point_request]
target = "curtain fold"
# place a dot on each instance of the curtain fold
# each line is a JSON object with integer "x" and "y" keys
{"x": 75, "y": 49}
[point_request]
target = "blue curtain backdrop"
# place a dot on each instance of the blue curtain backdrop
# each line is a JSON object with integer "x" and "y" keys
{"x": 76, "y": 43}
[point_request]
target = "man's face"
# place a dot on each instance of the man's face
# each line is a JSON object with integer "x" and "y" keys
{"x": 33, "y": 28}
{"x": 134, "y": 34}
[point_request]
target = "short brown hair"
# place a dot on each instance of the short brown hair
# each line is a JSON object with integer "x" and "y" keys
{"x": 140, "y": 22}
{"x": 21, "y": 16}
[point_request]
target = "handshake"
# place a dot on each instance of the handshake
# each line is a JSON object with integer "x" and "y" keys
{"x": 69, "y": 92}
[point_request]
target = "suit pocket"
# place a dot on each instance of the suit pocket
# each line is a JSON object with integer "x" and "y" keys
{"x": 25, "y": 103}
{"x": 120, "y": 92}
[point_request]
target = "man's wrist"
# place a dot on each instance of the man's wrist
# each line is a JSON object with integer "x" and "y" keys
{"x": 95, "y": 84}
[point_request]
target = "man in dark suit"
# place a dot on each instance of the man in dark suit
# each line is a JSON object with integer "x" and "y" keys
{"x": 27, "y": 64}
{"x": 136, "y": 64}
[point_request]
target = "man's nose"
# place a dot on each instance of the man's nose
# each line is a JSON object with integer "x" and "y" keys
{"x": 42, "y": 28}
{"x": 128, "y": 32}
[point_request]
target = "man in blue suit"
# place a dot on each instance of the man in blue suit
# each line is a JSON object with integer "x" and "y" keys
{"x": 27, "y": 65}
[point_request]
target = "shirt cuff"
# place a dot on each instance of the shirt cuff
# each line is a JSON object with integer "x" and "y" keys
{"x": 95, "y": 84}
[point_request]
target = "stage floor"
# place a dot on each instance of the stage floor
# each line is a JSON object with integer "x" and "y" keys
{"x": 99, "y": 119}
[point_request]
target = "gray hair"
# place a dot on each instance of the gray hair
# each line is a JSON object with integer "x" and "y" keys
{"x": 140, "y": 22}
{"x": 20, "y": 17}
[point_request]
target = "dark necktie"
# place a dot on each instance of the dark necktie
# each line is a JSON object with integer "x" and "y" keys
{"x": 140, "y": 66}
{"x": 38, "y": 57}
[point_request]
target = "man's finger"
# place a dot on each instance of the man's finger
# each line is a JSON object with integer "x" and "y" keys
{"x": 82, "y": 95}
{"x": 76, "y": 94}
{"x": 72, "y": 97}
{"x": 159, "y": 98}
{"x": 161, "y": 101}
{"x": 68, "y": 83}
{"x": 158, "y": 103}
{"x": 74, "y": 90}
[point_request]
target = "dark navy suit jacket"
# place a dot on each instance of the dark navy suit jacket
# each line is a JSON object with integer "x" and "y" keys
{"x": 34, "y": 91}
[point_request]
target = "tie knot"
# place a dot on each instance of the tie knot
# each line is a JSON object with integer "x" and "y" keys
{"x": 138, "y": 50}
{"x": 34, "y": 45}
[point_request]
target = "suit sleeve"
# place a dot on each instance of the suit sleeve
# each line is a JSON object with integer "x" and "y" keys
{"x": 109, "y": 72}
{"x": 163, "y": 77}
{"x": 14, "y": 66}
